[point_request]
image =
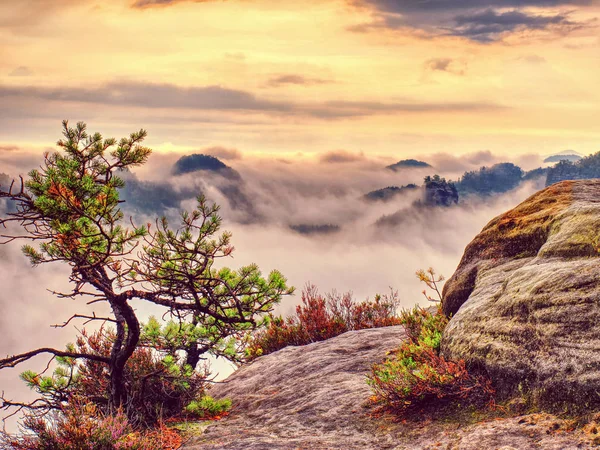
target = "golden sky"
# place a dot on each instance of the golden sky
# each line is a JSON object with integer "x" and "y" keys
{"x": 385, "y": 77}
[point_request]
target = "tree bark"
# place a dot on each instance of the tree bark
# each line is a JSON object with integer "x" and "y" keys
{"x": 193, "y": 355}
{"x": 127, "y": 338}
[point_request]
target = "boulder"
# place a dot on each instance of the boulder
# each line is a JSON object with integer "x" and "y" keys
{"x": 525, "y": 299}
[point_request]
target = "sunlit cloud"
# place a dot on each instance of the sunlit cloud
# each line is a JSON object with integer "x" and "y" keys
{"x": 479, "y": 21}
{"x": 217, "y": 98}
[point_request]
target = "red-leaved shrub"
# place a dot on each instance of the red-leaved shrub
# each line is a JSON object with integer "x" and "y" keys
{"x": 82, "y": 426}
{"x": 417, "y": 376}
{"x": 322, "y": 317}
{"x": 159, "y": 385}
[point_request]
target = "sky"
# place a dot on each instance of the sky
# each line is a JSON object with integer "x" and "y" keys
{"x": 385, "y": 77}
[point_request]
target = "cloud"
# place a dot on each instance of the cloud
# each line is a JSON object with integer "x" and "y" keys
{"x": 217, "y": 98}
{"x": 453, "y": 166}
{"x": 448, "y": 65}
{"x": 482, "y": 21}
{"x": 235, "y": 56}
{"x": 21, "y": 71}
{"x": 300, "y": 80}
{"x": 444, "y": 6}
{"x": 489, "y": 25}
{"x": 230, "y": 154}
{"x": 9, "y": 148}
{"x": 150, "y": 95}
{"x": 449, "y": 163}
{"x": 141, "y": 4}
{"x": 23, "y": 16}
{"x": 533, "y": 59}
{"x": 341, "y": 156}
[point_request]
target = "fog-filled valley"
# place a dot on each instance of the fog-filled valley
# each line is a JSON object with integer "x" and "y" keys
{"x": 312, "y": 219}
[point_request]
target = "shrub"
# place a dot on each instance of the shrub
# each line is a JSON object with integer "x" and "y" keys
{"x": 207, "y": 407}
{"x": 417, "y": 374}
{"x": 322, "y": 317}
{"x": 159, "y": 384}
{"x": 82, "y": 426}
{"x": 160, "y": 387}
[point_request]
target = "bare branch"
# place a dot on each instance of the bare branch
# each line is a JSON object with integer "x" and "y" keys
{"x": 80, "y": 316}
{"x": 14, "y": 360}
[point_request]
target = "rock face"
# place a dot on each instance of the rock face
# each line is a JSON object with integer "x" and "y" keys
{"x": 313, "y": 398}
{"x": 526, "y": 298}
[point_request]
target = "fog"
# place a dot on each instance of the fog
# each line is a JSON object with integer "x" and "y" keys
{"x": 259, "y": 208}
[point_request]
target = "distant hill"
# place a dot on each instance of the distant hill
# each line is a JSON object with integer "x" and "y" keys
{"x": 498, "y": 178}
{"x": 309, "y": 229}
{"x": 535, "y": 174}
{"x": 389, "y": 192}
{"x": 408, "y": 164}
{"x": 567, "y": 156}
{"x": 5, "y": 181}
{"x": 149, "y": 197}
{"x": 484, "y": 182}
{"x": 585, "y": 168}
{"x": 200, "y": 162}
{"x": 224, "y": 178}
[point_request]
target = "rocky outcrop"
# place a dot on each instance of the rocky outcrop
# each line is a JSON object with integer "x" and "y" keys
{"x": 525, "y": 298}
{"x": 315, "y": 398}
{"x": 439, "y": 192}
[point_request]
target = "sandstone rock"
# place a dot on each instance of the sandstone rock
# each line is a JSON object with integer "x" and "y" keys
{"x": 313, "y": 398}
{"x": 526, "y": 298}
{"x": 300, "y": 395}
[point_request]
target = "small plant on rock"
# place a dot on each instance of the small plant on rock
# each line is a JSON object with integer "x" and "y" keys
{"x": 207, "y": 407}
{"x": 416, "y": 375}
